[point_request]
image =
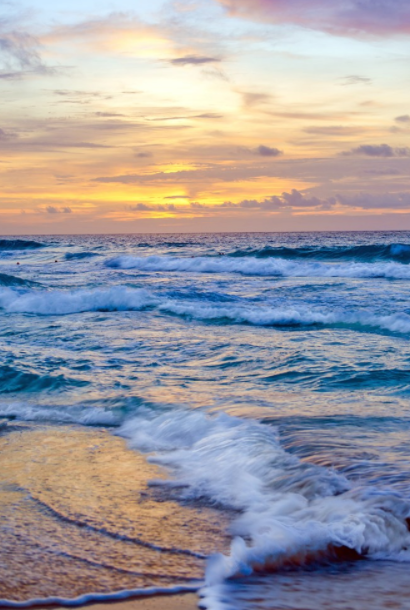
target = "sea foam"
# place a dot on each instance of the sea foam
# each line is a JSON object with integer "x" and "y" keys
{"x": 290, "y": 512}
{"x": 261, "y": 267}
{"x": 121, "y": 298}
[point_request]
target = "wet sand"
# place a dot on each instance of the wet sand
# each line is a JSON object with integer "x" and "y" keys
{"x": 78, "y": 515}
{"x": 188, "y": 601}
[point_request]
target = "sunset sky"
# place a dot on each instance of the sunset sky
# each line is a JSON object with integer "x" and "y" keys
{"x": 204, "y": 115}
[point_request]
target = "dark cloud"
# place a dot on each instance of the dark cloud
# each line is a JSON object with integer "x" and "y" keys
{"x": 267, "y": 151}
{"x": 381, "y": 150}
{"x": 194, "y": 60}
{"x": 404, "y": 118}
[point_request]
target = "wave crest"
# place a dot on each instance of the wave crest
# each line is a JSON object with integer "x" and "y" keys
{"x": 54, "y": 303}
{"x": 266, "y": 267}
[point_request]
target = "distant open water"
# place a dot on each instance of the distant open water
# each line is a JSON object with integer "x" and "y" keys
{"x": 269, "y": 373}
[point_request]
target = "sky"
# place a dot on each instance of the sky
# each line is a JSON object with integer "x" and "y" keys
{"x": 142, "y": 116}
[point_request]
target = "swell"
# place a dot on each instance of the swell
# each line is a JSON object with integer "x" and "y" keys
{"x": 12, "y": 280}
{"x": 20, "y": 244}
{"x": 13, "y": 381}
{"x": 56, "y": 303}
{"x": 252, "y": 266}
{"x": 396, "y": 251}
{"x": 69, "y": 256}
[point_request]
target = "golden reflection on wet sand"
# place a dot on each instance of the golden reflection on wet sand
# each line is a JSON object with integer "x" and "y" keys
{"x": 77, "y": 516}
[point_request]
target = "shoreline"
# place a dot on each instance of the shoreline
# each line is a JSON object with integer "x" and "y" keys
{"x": 155, "y": 601}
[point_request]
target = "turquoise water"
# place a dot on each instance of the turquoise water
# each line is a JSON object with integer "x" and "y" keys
{"x": 268, "y": 373}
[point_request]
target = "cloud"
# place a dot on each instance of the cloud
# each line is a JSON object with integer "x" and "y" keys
{"x": 108, "y": 114}
{"x": 404, "y": 118}
{"x": 19, "y": 53}
{"x": 350, "y": 18}
{"x": 143, "y": 155}
{"x": 355, "y": 79}
{"x": 5, "y": 135}
{"x": 145, "y": 207}
{"x": 333, "y": 130}
{"x": 297, "y": 200}
{"x": 177, "y": 197}
{"x": 50, "y": 209}
{"x": 254, "y": 98}
{"x": 194, "y": 60}
{"x": 140, "y": 207}
{"x": 294, "y": 200}
{"x": 267, "y": 151}
{"x": 204, "y": 115}
{"x": 382, "y": 150}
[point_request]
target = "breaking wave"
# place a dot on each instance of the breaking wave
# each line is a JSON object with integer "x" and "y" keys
{"x": 55, "y": 303}
{"x": 290, "y": 511}
{"x": 60, "y": 302}
{"x": 267, "y": 267}
{"x": 48, "y": 303}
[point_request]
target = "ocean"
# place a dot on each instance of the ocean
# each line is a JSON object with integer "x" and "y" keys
{"x": 220, "y": 413}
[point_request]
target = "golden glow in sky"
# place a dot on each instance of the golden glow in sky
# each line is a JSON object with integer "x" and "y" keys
{"x": 204, "y": 115}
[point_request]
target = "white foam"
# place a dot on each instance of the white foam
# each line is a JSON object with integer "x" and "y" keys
{"x": 87, "y": 416}
{"x": 262, "y": 267}
{"x": 289, "y": 510}
{"x": 60, "y": 302}
{"x": 121, "y": 298}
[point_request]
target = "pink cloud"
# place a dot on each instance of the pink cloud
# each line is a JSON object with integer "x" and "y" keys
{"x": 341, "y": 17}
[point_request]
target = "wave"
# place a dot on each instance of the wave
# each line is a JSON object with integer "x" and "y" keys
{"x": 12, "y": 280}
{"x": 86, "y": 416}
{"x": 399, "y": 252}
{"x": 20, "y": 244}
{"x": 54, "y": 303}
{"x": 13, "y": 381}
{"x": 79, "y": 255}
{"x": 77, "y": 301}
{"x": 290, "y": 512}
{"x": 255, "y": 267}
